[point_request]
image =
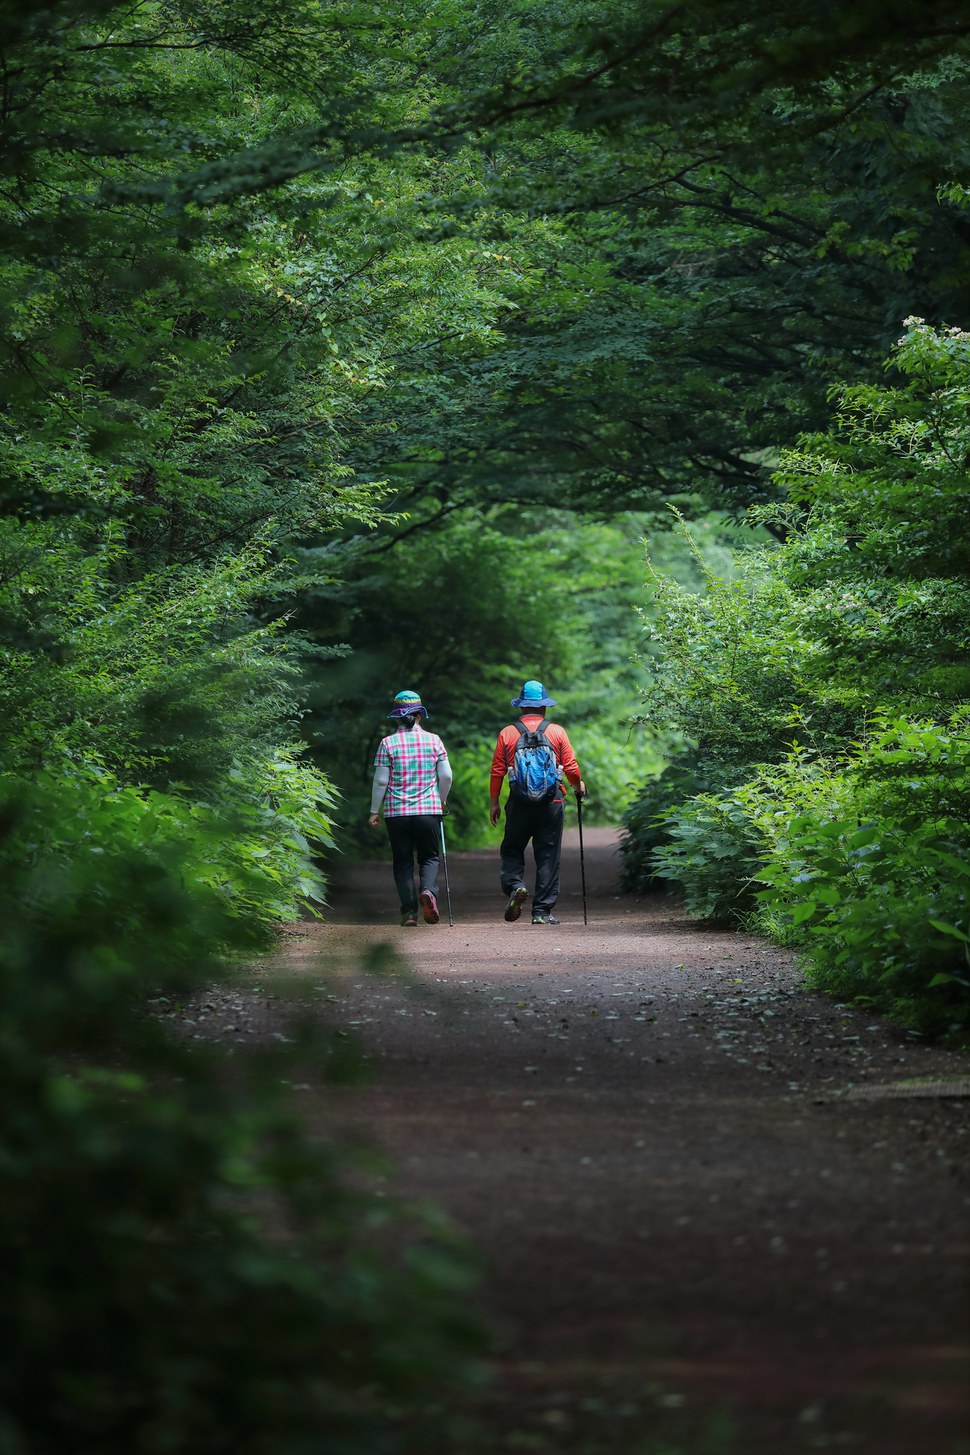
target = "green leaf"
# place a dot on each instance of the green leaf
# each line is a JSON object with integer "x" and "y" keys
{"x": 947, "y": 929}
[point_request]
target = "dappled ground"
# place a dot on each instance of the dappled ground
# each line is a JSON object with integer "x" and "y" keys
{"x": 697, "y": 1187}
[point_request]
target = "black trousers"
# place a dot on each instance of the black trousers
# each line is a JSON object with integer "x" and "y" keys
{"x": 414, "y": 836}
{"x": 542, "y": 823}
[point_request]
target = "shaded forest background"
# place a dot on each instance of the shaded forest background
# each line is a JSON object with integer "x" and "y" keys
{"x": 349, "y": 348}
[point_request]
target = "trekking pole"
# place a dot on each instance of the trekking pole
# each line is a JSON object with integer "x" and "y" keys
{"x": 582, "y": 857}
{"x": 444, "y": 860}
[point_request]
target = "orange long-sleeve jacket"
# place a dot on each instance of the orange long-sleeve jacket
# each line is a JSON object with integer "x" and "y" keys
{"x": 508, "y": 739}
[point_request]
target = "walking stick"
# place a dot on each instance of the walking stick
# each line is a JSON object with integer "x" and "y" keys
{"x": 582, "y": 857}
{"x": 444, "y": 860}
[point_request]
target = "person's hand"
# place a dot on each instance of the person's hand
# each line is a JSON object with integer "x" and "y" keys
{"x": 375, "y": 820}
{"x": 494, "y": 812}
{"x": 581, "y": 791}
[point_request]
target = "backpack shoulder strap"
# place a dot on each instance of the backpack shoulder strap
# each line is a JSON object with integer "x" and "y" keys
{"x": 555, "y": 748}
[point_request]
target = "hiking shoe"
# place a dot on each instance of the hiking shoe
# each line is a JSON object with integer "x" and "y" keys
{"x": 516, "y": 900}
{"x": 429, "y": 905}
{"x": 409, "y": 920}
{"x": 544, "y": 919}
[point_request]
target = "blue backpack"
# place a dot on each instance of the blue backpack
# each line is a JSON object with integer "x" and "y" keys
{"x": 535, "y": 775}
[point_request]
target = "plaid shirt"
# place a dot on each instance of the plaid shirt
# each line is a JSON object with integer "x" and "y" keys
{"x": 412, "y": 758}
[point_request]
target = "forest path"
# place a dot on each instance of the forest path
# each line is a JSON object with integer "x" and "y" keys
{"x": 690, "y": 1183}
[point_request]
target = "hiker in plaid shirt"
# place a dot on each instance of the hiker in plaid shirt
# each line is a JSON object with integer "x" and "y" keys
{"x": 412, "y": 777}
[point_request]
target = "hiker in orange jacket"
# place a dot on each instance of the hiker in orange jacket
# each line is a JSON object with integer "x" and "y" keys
{"x": 534, "y": 813}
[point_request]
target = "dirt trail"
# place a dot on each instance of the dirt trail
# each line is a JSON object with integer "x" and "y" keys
{"x": 692, "y": 1186}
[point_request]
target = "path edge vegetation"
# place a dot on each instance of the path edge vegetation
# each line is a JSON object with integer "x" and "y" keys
{"x": 822, "y": 795}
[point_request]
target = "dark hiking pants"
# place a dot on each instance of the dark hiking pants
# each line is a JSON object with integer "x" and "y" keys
{"x": 414, "y": 836}
{"x": 542, "y": 823}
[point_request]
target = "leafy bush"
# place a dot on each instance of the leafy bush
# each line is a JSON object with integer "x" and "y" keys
{"x": 726, "y": 674}
{"x": 646, "y": 820}
{"x": 824, "y": 695}
{"x": 867, "y": 869}
{"x": 186, "y": 1268}
{"x": 713, "y": 851}
{"x": 159, "y": 707}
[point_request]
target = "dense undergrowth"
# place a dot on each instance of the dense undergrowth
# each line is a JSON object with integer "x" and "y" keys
{"x": 187, "y": 1268}
{"x": 823, "y": 792}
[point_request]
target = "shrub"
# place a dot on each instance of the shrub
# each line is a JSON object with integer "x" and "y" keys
{"x": 867, "y": 869}
{"x": 850, "y": 637}
{"x": 714, "y": 850}
{"x": 186, "y": 1267}
{"x": 647, "y": 819}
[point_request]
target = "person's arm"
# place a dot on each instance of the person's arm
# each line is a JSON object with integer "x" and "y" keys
{"x": 382, "y": 777}
{"x": 445, "y": 778}
{"x": 500, "y": 767}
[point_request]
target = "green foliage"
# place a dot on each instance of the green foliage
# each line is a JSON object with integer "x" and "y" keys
{"x": 850, "y": 641}
{"x": 723, "y": 233}
{"x": 171, "y": 379}
{"x": 151, "y": 703}
{"x": 708, "y": 707}
{"x": 729, "y": 671}
{"x": 813, "y": 636}
{"x": 860, "y": 861}
{"x": 866, "y": 868}
{"x": 467, "y": 825}
{"x": 615, "y": 757}
{"x": 647, "y": 819}
{"x": 186, "y": 1267}
{"x": 713, "y": 849}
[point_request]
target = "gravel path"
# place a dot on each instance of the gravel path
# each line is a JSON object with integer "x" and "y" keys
{"x": 705, "y": 1196}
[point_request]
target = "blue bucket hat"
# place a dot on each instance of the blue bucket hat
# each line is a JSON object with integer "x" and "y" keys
{"x": 406, "y": 704}
{"x": 533, "y": 695}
